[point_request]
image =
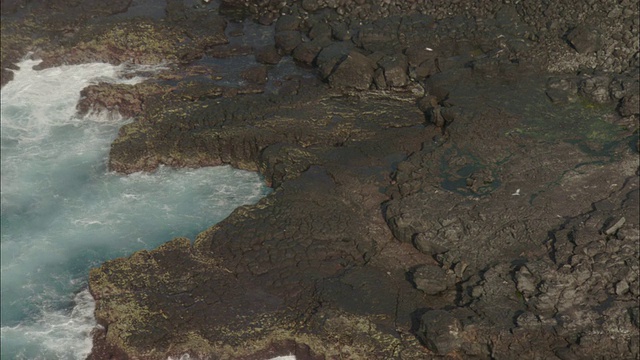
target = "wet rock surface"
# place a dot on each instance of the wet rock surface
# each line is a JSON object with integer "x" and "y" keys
{"x": 450, "y": 180}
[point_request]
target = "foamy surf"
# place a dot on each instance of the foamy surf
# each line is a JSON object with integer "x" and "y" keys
{"x": 62, "y": 334}
{"x": 63, "y": 212}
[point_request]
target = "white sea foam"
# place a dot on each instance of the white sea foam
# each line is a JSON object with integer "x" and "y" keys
{"x": 37, "y": 101}
{"x": 58, "y": 334}
{"x": 63, "y": 213}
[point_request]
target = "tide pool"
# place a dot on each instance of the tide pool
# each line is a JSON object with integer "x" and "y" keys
{"x": 62, "y": 212}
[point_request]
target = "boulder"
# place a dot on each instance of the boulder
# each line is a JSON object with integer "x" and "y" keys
{"x": 584, "y": 39}
{"x": 331, "y": 55}
{"x": 430, "y": 278}
{"x": 429, "y": 244}
{"x": 340, "y": 31}
{"x": 356, "y": 72}
{"x": 310, "y": 5}
{"x": 307, "y": 52}
{"x": 440, "y": 331}
{"x": 417, "y": 55}
{"x": 395, "y": 70}
{"x": 380, "y": 36}
{"x": 561, "y": 90}
{"x": 630, "y": 105}
{"x": 255, "y": 74}
{"x": 267, "y": 54}
{"x": 596, "y": 88}
{"x": 320, "y": 30}
{"x": 379, "y": 80}
{"x": 287, "y": 23}
{"x": 424, "y": 70}
{"x": 288, "y": 40}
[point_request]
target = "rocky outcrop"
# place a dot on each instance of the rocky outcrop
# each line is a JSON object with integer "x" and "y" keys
{"x": 61, "y": 32}
{"x": 313, "y": 242}
{"x": 448, "y": 181}
{"x": 584, "y": 289}
{"x": 452, "y": 253}
{"x": 125, "y": 100}
{"x": 562, "y": 36}
{"x": 357, "y": 222}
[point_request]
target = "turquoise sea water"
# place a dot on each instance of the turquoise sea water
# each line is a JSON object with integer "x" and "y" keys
{"x": 63, "y": 212}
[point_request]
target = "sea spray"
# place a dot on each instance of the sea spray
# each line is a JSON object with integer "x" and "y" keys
{"x": 62, "y": 212}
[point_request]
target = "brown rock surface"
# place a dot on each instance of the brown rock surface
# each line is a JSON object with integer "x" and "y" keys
{"x": 502, "y": 162}
{"x": 482, "y": 203}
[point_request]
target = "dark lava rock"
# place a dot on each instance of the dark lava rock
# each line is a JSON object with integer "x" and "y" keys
{"x": 440, "y": 331}
{"x": 307, "y": 51}
{"x": 282, "y": 162}
{"x": 341, "y": 31}
{"x": 596, "y": 88}
{"x": 356, "y": 71}
{"x": 379, "y": 80}
{"x": 585, "y": 39}
{"x": 526, "y": 282}
{"x": 240, "y": 131}
{"x": 126, "y": 100}
{"x": 423, "y": 71}
{"x": 267, "y": 54}
{"x": 255, "y": 74}
{"x": 226, "y": 51}
{"x": 630, "y": 105}
{"x": 417, "y": 55}
{"x": 310, "y": 5}
{"x": 430, "y": 278}
{"x": 320, "y": 30}
{"x": 428, "y": 244}
{"x": 395, "y": 70}
{"x": 288, "y": 40}
{"x": 287, "y": 23}
{"x": 11, "y": 6}
{"x": 519, "y": 200}
{"x": 562, "y": 90}
{"x": 332, "y": 55}
{"x": 380, "y": 36}
{"x": 267, "y": 18}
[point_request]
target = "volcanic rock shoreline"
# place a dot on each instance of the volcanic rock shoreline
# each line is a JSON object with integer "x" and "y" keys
{"x": 449, "y": 181}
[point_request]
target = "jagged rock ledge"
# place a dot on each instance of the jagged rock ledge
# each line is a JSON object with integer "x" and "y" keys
{"x": 454, "y": 186}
